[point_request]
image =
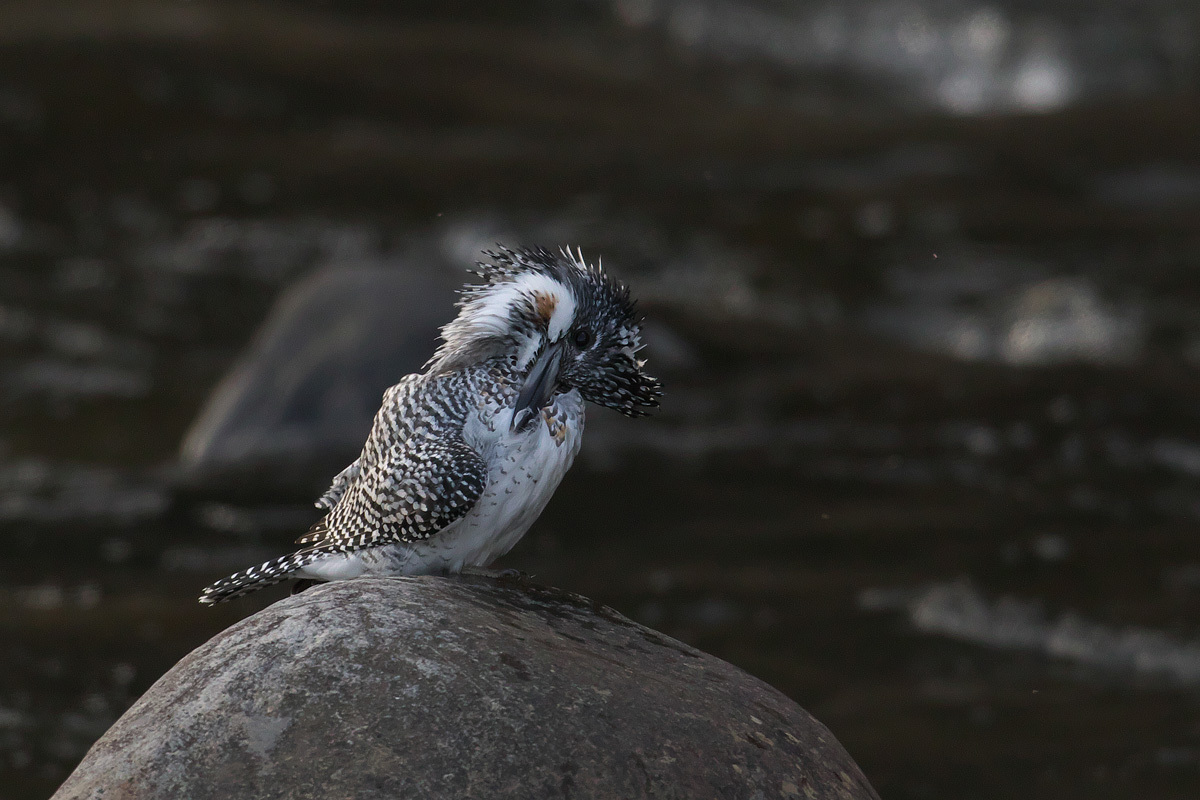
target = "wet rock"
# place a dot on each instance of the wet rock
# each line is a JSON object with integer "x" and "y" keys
{"x": 298, "y": 405}
{"x": 433, "y": 687}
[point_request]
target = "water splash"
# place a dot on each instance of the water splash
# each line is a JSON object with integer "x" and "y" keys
{"x": 960, "y": 611}
{"x": 962, "y": 57}
{"x": 978, "y": 308}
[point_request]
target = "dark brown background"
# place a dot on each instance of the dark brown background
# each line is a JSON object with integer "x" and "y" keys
{"x": 921, "y": 280}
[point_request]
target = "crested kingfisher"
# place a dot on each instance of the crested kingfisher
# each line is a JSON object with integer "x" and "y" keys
{"x": 463, "y": 457}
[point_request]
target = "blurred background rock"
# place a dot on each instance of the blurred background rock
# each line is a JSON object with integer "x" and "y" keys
{"x": 921, "y": 280}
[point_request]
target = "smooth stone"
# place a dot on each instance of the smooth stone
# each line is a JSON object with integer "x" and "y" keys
{"x": 299, "y": 403}
{"x": 458, "y": 688}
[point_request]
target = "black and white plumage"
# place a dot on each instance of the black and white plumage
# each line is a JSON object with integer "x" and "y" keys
{"x": 463, "y": 457}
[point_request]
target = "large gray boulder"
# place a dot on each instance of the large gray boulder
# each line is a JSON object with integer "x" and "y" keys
{"x": 297, "y": 406}
{"x": 453, "y": 688}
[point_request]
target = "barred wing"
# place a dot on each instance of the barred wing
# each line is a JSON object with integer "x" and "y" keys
{"x": 437, "y": 482}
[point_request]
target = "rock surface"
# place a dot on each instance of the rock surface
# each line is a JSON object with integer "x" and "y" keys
{"x": 298, "y": 405}
{"x": 448, "y": 688}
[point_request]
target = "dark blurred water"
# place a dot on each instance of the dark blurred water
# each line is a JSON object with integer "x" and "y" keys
{"x": 921, "y": 280}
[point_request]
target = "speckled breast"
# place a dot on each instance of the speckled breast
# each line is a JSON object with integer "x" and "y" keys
{"x": 524, "y": 469}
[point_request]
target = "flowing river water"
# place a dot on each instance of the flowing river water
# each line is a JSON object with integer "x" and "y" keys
{"x": 921, "y": 281}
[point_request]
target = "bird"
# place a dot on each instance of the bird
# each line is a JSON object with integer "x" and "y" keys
{"x": 463, "y": 456}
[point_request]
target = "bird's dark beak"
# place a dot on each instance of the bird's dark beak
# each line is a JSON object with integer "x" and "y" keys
{"x": 539, "y": 386}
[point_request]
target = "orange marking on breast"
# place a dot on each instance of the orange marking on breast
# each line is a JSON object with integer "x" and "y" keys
{"x": 556, "y": 427}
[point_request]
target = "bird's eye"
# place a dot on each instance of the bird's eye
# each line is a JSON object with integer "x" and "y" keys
{"x": 583, "y": 338}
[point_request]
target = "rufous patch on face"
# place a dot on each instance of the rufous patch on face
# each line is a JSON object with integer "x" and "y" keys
{"x": 544, "y": 303}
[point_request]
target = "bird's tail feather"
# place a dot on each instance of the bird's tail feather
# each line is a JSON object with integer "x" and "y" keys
{"x": 255, "y": 578}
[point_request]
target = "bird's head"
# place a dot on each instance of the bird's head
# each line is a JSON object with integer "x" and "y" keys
{"x": 561, "y": 323}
